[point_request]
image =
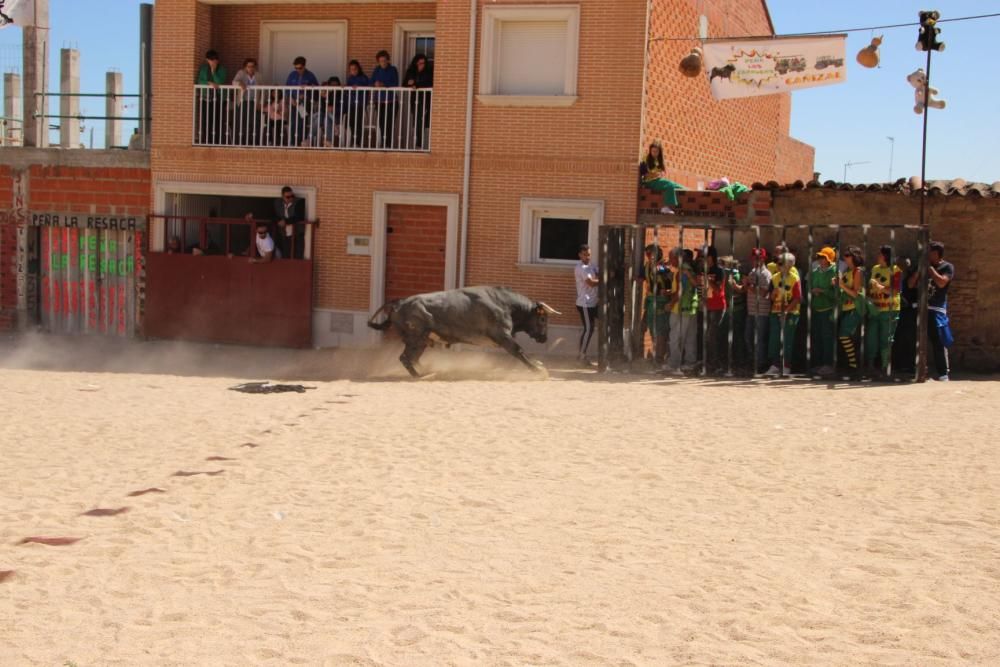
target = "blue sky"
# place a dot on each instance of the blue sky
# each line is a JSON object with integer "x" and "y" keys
{"x": 846, "y": 123}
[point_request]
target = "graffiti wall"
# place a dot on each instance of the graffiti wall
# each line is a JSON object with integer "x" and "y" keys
{"x": 89, "y": 269}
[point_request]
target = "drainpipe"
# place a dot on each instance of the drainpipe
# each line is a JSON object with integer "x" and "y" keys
{"x": 645, "y": 76}
{"x": 467, "y": 165}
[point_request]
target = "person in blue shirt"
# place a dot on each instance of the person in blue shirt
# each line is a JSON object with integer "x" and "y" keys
{"x": 300, "y": 102}
{"x": 357, "y": 101}
{"x": 386, "y": 76}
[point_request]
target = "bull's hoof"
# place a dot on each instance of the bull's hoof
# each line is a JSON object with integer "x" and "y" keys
{"x": 428, "y": 376}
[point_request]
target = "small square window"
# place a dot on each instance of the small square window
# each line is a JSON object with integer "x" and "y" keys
{"x": 561, "y": 238}
{"x": 552, "y": 230}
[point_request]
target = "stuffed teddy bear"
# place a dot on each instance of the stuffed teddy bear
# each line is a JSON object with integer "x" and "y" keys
{"x": 918, "y": 80}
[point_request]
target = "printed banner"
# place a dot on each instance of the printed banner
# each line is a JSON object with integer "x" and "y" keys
{"x": 19, "y": 13}
{"x": 768, "y": 66}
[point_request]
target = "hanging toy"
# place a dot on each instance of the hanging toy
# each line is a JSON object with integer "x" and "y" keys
{"x": 869, "y": 56}
{"x": 691, "y": 64}
{"x": 918, "y": 80}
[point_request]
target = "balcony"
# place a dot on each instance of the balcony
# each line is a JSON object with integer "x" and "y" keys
{"x": 313, "y": 118}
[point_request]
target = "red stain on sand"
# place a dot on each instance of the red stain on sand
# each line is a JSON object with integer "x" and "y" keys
{"x": 219, "y": 458}
{"x": 101, "y": 511}
{"x": 143, "y": 492}
{"x": 192, "y": 473}
{"x": 5, "y": 575}
{"x": 51, "y": 541}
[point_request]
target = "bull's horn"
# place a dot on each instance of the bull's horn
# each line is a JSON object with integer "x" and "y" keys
{"x": 549, "y": 308}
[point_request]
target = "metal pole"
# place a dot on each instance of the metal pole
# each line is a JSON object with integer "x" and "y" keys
{"x": 704, "y": 307}
{"x": 730, "y": 303}
{"x": 922, "y": 310}
{"x": 836, "y": 306}
{"x": 145, "y": 70}
{"x": 809, "y": 263}
{"x": 756, "y": 297}
{"x": 865, "y": 277}
{"x": 784, "y": 314}
{"x": 680, "y": 315}
{"x": 892, "y": 298}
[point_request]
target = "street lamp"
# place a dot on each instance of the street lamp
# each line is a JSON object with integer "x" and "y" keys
{"x": 851, "y": 164}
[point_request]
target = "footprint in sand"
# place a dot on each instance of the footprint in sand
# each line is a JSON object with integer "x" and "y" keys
{"x": 249, "y": 445}
{"x": 219, "y": 458}
{"x": 192, "y": 473}
{"x": 51, "y": 541}
{"x": 5, "y": 575}
{"x": 142, "y": 492}
{"x": 102, "y": 511}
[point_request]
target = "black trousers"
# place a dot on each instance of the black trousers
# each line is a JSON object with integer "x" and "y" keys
{"x": 588, "y": 317}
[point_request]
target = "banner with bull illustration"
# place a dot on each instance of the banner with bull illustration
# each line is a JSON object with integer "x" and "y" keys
{"x": 744, "y": 68}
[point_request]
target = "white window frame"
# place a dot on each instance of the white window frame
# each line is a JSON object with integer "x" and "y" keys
{"x": 489, "y": 55}
{"x": 402, "y": 29}
{"x": 533, "y": 210}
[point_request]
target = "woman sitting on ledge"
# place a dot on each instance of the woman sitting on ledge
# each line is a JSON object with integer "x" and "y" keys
{"x": 651, "y": 171}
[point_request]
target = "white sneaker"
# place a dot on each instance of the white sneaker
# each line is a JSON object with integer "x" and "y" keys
{"x": 772, "y": 371}
{"x": 943, "y": 378}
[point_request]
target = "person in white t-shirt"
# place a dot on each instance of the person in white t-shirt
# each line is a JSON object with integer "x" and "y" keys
{"x": 266, "y": 251}
{"x": 586, "y": 299}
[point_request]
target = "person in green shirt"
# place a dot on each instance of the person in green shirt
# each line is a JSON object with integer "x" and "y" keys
{"x": 212, "y": 103}
{"x": 823, "y": 293}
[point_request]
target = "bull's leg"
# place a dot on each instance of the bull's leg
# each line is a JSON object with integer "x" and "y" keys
{"x": 415, "y": 346}
{"x": 508, "y": 343}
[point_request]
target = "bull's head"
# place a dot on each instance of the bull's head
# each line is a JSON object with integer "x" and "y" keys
{"x": 538, "y": 324}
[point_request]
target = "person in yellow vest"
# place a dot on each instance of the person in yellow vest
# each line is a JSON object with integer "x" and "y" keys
{"x": 683, "y": 313}
{"x": 774, "y": 265}
{"x": 852, "y": 289}
{"x": 786, "y": 295}
{"x": 884, "y": 287}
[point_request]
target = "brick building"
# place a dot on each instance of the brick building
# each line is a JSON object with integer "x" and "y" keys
{"x": 556, "y": 115}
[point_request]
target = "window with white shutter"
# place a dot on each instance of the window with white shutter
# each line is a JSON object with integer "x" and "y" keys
{"x": 532, "y": 58}
{"x": 529, "y": 55}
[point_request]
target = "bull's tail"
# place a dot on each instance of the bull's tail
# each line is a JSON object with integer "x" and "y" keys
{"x": 387, "y": 322}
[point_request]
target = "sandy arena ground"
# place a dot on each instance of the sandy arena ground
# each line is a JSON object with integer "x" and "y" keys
{"x": 583, "y": 520}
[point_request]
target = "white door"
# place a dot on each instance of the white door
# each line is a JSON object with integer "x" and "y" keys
{"x": 322, "y": 43}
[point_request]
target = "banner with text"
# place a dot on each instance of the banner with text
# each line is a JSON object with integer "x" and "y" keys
{"x": 780, "y": 65}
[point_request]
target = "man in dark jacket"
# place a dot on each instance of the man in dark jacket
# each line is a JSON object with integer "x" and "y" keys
{"x": 290, "y": 214}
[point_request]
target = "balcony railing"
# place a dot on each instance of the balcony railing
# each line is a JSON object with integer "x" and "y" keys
{"x": 313, "y": 117}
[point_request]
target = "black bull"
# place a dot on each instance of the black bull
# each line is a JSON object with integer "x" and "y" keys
{"x": 473, "y": 315}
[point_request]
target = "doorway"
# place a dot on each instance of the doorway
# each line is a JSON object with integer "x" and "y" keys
{"x": 415, "y": 259}
{"x": 322, "y": 43}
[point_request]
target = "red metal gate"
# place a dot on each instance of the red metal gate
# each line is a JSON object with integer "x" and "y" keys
{"x": 225, "y": 298}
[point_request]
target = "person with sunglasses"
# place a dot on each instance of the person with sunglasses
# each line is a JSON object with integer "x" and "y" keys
{"x": 300, "y": 100}
{"x": 289, "y": 213}
{"x": 266, "y": 250}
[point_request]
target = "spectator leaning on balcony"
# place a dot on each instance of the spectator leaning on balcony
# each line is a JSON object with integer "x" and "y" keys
{"x": 357, "y": 101}
{"x": 299, "y": 101}
{"x": 212, "y": 107}
{"x": 276, "y": 112}
{"x": 386, "y": 75}
{"x": 248, "y": 116}
{"x": 420, "y": 76}
{"x": 651, "y": 172}
{"x": 266, "y": 250}
{"x": 329, "y": 114}
{"x": 290, "y": 212}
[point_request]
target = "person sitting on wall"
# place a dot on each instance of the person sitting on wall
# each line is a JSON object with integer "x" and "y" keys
{"x": 290, "y": 212}
{"x": 266, "y": 250}
{"x": 651, "y": 171}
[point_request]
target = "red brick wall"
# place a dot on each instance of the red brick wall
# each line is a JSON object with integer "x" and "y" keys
{"x": 415, "y": 250}
{"x": 8, "y": 252}
{"x": 704, "y": 139}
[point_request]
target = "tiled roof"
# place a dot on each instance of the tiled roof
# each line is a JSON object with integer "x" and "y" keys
{"x": 954, "y": 188}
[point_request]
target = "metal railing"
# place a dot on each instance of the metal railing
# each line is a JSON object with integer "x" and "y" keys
{"x": 232, "y": 237}
{"x": 313, "y": 117}
{"x": 11, "y": 131}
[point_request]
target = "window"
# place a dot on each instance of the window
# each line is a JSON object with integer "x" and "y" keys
{"x": 410, "y": 38}
{"x": 552, "y": 230}
{"x": 529, "y": 55}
